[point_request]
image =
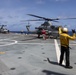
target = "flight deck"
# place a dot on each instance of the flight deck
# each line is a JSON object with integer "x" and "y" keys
{"x": 22, "y": 54}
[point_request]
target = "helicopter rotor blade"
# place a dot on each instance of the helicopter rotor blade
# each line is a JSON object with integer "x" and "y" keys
{"x": 36, "y": 16}
{"x": 55, "y": 21}
{"x": 65, "y": 18}
{"x": 36, "y": 20}
{"x": 32, "y": 20}
{"x": 70, "y": 18}
{"x": 50, "y": 19}
{"x": 46, "y": 19}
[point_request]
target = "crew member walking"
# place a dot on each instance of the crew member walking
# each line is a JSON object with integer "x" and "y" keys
{"x": 44, "y": 34}
{"x": 64, "y": 41}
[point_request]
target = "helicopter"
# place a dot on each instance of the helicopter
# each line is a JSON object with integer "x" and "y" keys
{"x": 52, "y": 30}
{"x": 3, "y": 30}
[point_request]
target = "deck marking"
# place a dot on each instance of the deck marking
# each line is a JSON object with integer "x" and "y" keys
{"x": 58, "y": 51}
{"x": 35, "y": 43}
{"x": 14, "y": 42}
{"x": 7, "y": 39}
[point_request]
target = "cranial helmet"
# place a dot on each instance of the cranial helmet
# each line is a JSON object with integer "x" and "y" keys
{"x": 65, "y": 30}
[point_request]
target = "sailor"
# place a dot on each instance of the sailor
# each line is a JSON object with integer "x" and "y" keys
{"x": 64, "y": 41}
{"x": 44, "y": 34}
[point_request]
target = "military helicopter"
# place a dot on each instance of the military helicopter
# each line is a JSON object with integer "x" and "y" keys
{"x": 3, "y": 30}
{"x": 52, "y": 30}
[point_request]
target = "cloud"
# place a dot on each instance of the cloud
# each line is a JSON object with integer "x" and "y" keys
{"x": 40, "y": 1}
{"x": 59, "y": 0}
{"x": 10, "y": 16}
{"x": 1, "y": 18}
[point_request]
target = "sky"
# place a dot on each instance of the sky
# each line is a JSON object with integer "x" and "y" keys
{"x": 13, "y": 13}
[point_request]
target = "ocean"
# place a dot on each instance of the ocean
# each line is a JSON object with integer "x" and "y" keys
{"x": 26, "y": 32}
{"x": 70, "y": 32}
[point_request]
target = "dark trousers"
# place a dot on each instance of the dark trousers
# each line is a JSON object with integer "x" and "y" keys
{"x": 65, "y": 50}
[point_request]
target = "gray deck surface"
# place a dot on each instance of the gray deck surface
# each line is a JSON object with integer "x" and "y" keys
{"x": 22, "y": 54}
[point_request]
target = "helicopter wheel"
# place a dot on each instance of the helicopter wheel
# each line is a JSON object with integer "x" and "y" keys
{"x": 38, "y": 35}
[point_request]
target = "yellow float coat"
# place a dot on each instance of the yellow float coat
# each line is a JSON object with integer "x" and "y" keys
{"x": 64, "y": 38}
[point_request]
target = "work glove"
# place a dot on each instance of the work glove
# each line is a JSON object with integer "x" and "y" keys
{"x": 73, "y": 30}
{"x": 59, "y": 27}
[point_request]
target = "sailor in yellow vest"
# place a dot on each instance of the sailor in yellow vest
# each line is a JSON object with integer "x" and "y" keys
{"x": 64, "y": 41}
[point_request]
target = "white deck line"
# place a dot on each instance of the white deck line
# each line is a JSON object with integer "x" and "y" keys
{"x": 36, "y": 43}
{"x": 58, "y": 51}
{"x": 15, "y": 42}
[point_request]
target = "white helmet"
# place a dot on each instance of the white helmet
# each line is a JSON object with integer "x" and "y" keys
{"x": 65, "y": 30}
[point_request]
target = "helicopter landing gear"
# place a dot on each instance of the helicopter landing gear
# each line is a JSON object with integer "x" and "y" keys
{"x": 38, "y": 35}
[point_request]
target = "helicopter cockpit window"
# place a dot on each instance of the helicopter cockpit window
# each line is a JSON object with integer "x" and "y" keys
{"x": 56, "y": 28}
{"x": 53, "y": 27}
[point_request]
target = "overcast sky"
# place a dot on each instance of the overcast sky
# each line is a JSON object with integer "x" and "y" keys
{"x": 14, "y": 12}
